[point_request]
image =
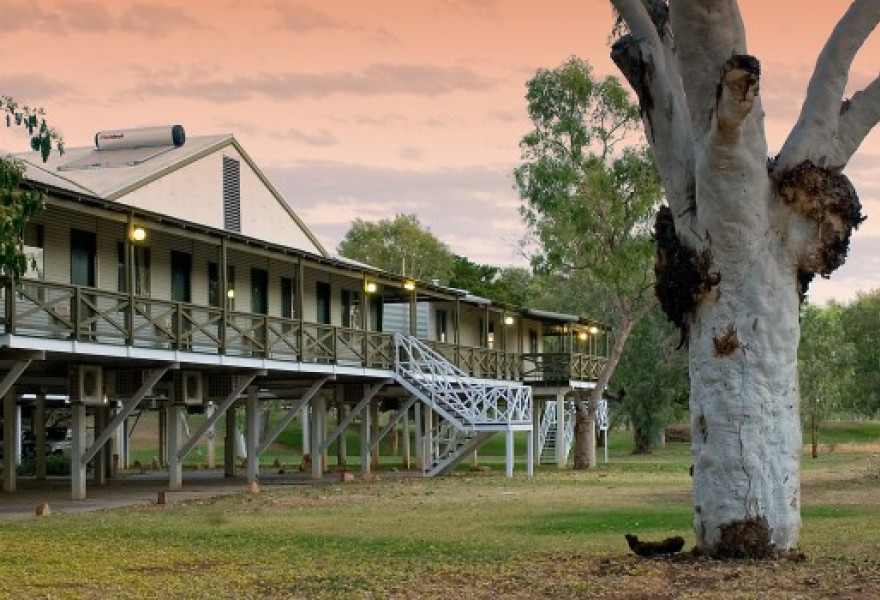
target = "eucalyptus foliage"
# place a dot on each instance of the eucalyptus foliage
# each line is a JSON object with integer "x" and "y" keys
{"x": 18, "y": 206}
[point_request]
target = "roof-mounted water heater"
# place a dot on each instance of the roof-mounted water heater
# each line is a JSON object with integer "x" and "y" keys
{"x": 144, "y": 137}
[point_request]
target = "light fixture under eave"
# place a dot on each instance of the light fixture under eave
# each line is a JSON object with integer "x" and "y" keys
{"x": 138, "y": 234}
{"x": 582, "y": 336}
{"x": 508, "y": 320}
{"x": 230, "y": 293}
{"x": 409, "y": 285}
{"x": 594, "y": 330}
{"x": 370, "y": 287}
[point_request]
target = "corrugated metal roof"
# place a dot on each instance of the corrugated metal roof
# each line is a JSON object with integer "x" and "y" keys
{"x": 108, "y": 173}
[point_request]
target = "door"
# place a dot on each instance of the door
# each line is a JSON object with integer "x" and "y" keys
{"x": 181, "y": 274}
{"x": 82, "y": 257}
{"x": 259, "y": 291}
{"x": 322, "y": 292}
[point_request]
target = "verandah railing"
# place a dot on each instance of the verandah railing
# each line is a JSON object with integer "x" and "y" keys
{"x": 68, "y": 312}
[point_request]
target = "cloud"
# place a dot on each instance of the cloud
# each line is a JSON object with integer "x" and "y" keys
{"x": 302, "y": 19}
{"x": 323, "y": 138}
{"x": 374, "y": 79}
{"x": 411, "y": 153}
{"x": 473, "y": 210}
{"x": 142, "y": 18}
{"x": 487, "y": 9}
{"x": 32, "y": 88}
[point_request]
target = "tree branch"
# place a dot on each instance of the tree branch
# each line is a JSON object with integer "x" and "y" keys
{"x": 820, "y": 115}
{"x": 707, "y": 34}
{"x": 648, "y": 62}
{"x": 857, "y": 118}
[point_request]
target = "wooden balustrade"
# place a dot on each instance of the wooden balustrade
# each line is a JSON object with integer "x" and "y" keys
{"x": 67, "y": 312}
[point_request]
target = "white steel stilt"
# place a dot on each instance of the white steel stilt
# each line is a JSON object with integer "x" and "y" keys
{"x": 406, "y": 449}
{"x": 530, "y": 456}
{"x": 211, "y": 444}
{"x": 317, "y": 430}
{"x": 419, "y": 441}
{"x": 229, "y": 443}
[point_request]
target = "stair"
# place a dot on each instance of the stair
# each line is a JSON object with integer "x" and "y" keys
{"x": 548, "y": 435}
{"x": 470, "y": 410}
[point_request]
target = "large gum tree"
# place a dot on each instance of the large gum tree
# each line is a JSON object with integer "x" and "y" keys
{"x": 741, "y": 240}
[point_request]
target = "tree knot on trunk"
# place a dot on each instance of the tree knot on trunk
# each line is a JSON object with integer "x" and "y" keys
{"x": 742, "y": 73}
{"x": 746, "y": 538}
{"x": 683, "y": 276}
{"x": 727, "y": 343}
{"x": 827, "y": 198}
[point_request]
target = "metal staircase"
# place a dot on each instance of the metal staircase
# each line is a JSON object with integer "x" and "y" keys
{"x": 470, "y": 411}
{"x": 548, "y": 435}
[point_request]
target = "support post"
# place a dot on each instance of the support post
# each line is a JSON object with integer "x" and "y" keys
{"x": 419, "y": 441}
{"x": 9, "y": 436}
{"x": 406, "y": 448}
{"x": 99, "y": 458}
{"x": 77, "y": 450}
{"x": 535, "y": 436}
{"x": 252, "y": 412}
{"x": 365, "y": 440}
{"x": 174, "y": 425}
{"x": 561, "y": 455}
{"x": 38, "y": 425}
{"x": 341, "y": 442}
{"x": 229, "y": 443}
{"x": 508, "y": 459}
{"x": 530, "y": 456}
{"x": 317, "y": 429}
{"x": 163, "y": 434}
{"x": 212, "y": 436}
{"x": 374, "y": 434}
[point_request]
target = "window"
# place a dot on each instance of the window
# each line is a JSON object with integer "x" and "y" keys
{"x": 441, "y": 326}
{"x": 259, "y": 291}
{"x": 33, "y": 248}
{"x": 490, "y": 336}
{"x": 287, "y": 298}
{"x": 322, "y": 293}
{"x": 141, "y": 269}
{"x": 351, "y": 309}
{"x": 231, "y": 194}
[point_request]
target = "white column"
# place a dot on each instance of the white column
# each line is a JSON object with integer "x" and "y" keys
{"x": 211, "y": 435}
{"x": 428, "y": 436}
{"x": 38, "y": 425}
{"x": 17, "y": 437}
{"x": 561, "y": 456}
{"x": 508, "y": 460}
{"x": 365, "y": 440}
{"x": 77, "y": 449}
{"x": 253, "y": 434}
{"x": 9, "y": 436}
{"x": 163, "y": 434}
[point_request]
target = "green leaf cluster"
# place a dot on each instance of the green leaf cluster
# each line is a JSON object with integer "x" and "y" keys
{"x": 589, "y": 191}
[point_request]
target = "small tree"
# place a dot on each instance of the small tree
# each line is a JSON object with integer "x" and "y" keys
{"x": 400, "y": 245}
{"x": 588, "y": 203}
{"x": 860, "y": 321}
{"x": 18, "y": 206}
{"x": 825, "y": 365}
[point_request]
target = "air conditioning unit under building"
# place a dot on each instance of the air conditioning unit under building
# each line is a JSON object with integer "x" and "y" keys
{"x": 190, "y": 389}
{"x": 86, "y": 384}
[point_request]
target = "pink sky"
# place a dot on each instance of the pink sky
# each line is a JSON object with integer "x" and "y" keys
{"x": 368, "y": 108}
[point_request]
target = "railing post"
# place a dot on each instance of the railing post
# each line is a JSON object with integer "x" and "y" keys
{"x": 178, "y": 326}
{"x": 76, "y": 312}
{"x": 9, "y": 291}
{"x": 334, "y": 345}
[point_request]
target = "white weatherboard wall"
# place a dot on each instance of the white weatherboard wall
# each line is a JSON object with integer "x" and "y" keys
{"x": 195, "y": 193}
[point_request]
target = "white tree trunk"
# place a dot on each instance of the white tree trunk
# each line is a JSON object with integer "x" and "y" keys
{"x": 741, "y": 240}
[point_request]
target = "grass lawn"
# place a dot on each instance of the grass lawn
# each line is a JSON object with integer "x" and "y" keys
{"x": 471, "y": 535}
